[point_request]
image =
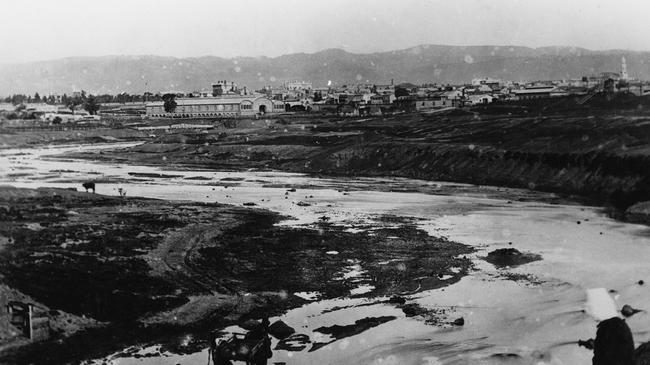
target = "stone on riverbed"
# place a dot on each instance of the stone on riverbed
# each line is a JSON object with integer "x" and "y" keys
{"x": 628, "y": 311}
{"x": 512, "y": 257}
{"x": 281, "y": 330}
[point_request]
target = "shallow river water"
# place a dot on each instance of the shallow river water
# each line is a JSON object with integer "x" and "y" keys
{"x": 532, "y": 321}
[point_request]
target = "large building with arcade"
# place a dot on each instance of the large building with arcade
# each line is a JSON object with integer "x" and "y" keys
{"x": 221, "y": 107}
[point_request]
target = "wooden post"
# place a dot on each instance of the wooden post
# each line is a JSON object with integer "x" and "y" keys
{"x": 20, "y": 315}
{"x": 28, "y": 326}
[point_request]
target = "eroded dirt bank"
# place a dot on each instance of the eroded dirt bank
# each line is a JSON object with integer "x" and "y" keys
{"x": 108, "y": 272}
{"x": 600, "y": 154}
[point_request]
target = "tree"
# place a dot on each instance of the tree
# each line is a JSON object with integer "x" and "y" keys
{"x": 72, "y": 104}
{"x": 37, "y": 98}
{"x": 91, "y": 105}
{"x": 318, "y": 96}
{"x": 17, "y": 99}
{"x": 170, "y": 103}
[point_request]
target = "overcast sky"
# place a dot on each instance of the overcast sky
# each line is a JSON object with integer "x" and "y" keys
{"x": 47, "y": 29}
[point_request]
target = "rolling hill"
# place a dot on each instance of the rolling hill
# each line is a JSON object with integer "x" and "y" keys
{"x": 426, "y": 63}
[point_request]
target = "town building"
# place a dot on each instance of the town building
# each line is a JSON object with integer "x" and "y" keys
{"x": 384, "y": 89}
{"x": 224, "y": 88}
{"x": 223, "y": 107}
{"x": 487, "y": 81}
{"x": 41, "y": 108}
{"x": 536, "y": 92}
{"x": 298, "y": 85}
{"x": 479, "y": 99}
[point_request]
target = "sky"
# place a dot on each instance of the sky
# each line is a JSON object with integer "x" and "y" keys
{"x": 37, "y": 30}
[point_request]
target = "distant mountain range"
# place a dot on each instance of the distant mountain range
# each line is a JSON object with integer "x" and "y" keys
{"x": 426, "y": 63}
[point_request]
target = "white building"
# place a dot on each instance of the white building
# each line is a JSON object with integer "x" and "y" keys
{"x": 225, "y": 107}
{"x": 298, "y": 85}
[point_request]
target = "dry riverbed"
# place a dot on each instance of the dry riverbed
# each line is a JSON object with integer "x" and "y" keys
{"x": 109, "y": 272}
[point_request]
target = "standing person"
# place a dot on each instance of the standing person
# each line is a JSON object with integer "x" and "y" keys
{"x": 614, "y": 344}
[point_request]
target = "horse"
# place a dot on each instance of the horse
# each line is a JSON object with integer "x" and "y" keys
{"x": 89, "y": 185}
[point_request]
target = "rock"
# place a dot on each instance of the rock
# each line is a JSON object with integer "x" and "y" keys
{"x": 413, "y": 309}
{"x": 249, "y": 204}
{"x": 281, "y": 330}
{"x": 628, "y": 311}
{"x": 249, "y": 324}
{"x": 459, "y": 322}
{"x": 395, "y": 299}
{"x": 296, "y": 342}
{"x": 511, "y": 257}
{"x": 505, "y": 355}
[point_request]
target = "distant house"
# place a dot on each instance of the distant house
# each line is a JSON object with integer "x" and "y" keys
{"x": 385, "y": 89}
{"x": 348, "y": 110}
{"x": 376, "y": 99}
{"x": 325, "y": 108}
{"x": 534, "y": 93}
{"x": 414, "y": 103}
{"x": 65, "y": 115}
{"x": 446, "y": 99}
{"x": 41, "y": 108}
{"x": 480, "y": 99}
{"x": 298, "y": 85}
{"x": 484, "y": 88}
{"x": 7, "y": 107}
{"x": 488, "y": 81}
{"x": 382, "y": 99}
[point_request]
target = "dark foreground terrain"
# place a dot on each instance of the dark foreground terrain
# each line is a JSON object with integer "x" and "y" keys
{"x": 108, "y": 272}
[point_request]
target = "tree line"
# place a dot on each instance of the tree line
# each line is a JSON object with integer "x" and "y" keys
{"x": 89, "y": 102}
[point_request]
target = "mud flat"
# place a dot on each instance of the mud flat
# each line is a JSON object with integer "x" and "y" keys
{"x": 586, "y": 154}
{"x": 110, "y": 272}
{"x": 10, "y": 138}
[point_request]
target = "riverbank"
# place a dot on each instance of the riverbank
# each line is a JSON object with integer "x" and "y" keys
{"x": 109, "y": 272}
{"x": 13, "y": 138}
{"x": 589, "y": 155}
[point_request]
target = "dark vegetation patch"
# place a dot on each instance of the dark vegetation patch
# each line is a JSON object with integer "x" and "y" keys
{"x": 338, "y": 332}
{"x": 511, "y": 257}
{"x": 153, "y": 174}
{"x": 198, "y": 178}
{"x": 277, "y": 258}
{"x": 92, "y": 255}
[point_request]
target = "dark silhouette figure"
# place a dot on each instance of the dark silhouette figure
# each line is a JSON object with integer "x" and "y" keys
{"x": 89, "y": 185}
{"x": 254, "y": 348}
{"x": 614, "y": 344}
